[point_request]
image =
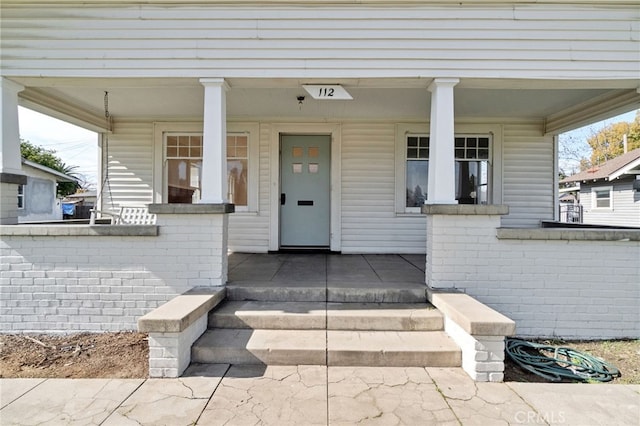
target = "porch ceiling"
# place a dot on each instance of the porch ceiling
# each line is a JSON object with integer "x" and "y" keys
{"x": 399, "y": 99}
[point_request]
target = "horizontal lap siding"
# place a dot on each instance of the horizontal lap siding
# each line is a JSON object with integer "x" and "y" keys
{"x": 285, "y": 41}
{"x": 369, "y": 220}
{"x": 249, "y": 232}
{"x": 130, "y": 165}
{"x": 528, "y": 186}
{"x": 626, "y": 205}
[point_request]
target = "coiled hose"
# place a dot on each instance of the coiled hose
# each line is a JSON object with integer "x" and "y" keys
{"x": 556, "y": 362}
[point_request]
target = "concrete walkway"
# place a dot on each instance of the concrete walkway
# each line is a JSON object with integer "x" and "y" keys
{"x": 314, "y": 395}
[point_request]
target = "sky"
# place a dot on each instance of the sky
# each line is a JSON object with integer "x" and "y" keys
{"x": 79, "y": 147}
{"x": 74, "y": 145}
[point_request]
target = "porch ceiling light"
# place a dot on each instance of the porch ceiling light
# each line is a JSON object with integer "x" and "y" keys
{"x": 327, "y": 91}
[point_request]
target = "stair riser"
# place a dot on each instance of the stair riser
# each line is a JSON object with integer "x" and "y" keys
{"x": 332, "y": 358}
{"x": 288, "y": 322}
{"x": 320, "y": 322}
{"x": 384, "y": 323}
{"x": 268, "y": 357}
{"x": 394, "y": 359}
{"x": 331, "y": 294}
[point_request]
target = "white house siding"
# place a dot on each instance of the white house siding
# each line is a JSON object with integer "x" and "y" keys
{"x": 506, "y": 40}
{"x": 129, "y": 153}
{"x": 626, "y": 205}
{"x": 249, "y": 232}
{"x": 528, "y": 158}
{"x": 369, "y": 220}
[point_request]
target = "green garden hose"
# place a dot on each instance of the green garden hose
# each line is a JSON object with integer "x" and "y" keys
{"x": 556, "y": 362}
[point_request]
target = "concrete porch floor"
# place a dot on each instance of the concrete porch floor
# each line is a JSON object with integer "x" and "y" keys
{"x": 327, "y": 277}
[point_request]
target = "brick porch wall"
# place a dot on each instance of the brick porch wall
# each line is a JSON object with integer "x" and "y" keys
{"x": 571, "y": 283}
{"x": 103, "y": 278}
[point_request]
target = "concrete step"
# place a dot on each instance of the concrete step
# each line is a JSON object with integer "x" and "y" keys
{"x": 392, "y": 349}
{"x": 270, "y": 347}
{"x": 320, "y": 291}
{"x": 322, "y": 347}
{"x": 332, "y": 316}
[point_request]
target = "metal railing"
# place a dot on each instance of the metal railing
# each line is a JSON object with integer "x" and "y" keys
{"x": 571, "y": 213}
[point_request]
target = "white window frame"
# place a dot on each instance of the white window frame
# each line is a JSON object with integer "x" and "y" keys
{"x": 165, "y": 159}
{"x": 494, "y": 131}
{"x": 594, "y": 197}
{"x": 21, "y": 196}
{"x": 252, "y": 130}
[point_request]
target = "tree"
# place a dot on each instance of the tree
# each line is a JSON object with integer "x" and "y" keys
{"x": 594, "y": 145}
{"x": 47, "y": 158}
{"x": 608, "y": 142}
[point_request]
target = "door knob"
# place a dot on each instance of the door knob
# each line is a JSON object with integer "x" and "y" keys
{"x": 283, "y": 199}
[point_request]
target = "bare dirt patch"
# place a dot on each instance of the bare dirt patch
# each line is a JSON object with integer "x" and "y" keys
{"x": 125, "y": 355}
{"x": 84, "y": 355}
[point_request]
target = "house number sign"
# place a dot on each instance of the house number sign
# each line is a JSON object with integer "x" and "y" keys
{"x": 327, "y": 91}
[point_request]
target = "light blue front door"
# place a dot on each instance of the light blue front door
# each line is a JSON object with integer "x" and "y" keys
{"x": 305, "y": 186}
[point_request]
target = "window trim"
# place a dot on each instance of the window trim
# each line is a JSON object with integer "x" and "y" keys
{"x": 494, "y": 131}
{"x": 594, "y": 197}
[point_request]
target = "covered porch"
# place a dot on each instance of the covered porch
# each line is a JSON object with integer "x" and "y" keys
{"x": 320, "y": 277}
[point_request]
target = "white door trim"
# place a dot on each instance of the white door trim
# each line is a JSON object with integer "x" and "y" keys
{"x": 333, "y": 129}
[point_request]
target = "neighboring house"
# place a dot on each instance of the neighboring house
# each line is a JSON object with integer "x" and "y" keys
{"x": 37, "y": 199}
{"x": 610, "y": 192}
{"x": 328, "y": 125}
{"x": 79, "y": 205}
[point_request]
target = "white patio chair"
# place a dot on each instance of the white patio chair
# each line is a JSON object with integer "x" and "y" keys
{"x": 127, "y": 216}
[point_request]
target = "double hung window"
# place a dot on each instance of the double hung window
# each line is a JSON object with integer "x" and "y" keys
{"x": 472, "y": 169}
{"x": 183, "y": 160}
{"x": 602, "y": 197}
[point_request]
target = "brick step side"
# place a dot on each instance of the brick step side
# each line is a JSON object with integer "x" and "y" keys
{"x": 332, "y": 316}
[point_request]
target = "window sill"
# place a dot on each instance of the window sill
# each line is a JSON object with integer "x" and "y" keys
{"x": 409, "y": 214}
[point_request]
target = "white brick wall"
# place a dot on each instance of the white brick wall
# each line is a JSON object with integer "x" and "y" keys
{"x": 104, "y": 283}
{"x": 567, "y": 288}
{"x": 170, "y": 353}
{"x": 482, "y": 356}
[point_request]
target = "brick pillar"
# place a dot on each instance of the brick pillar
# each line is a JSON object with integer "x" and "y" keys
{"x": 458, "y": 236}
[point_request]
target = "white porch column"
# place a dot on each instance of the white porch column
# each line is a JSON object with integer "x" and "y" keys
{"x": 214, "y": 142}
{"x": 442, "y": 180}
{"x": 11, "y": 175}
{"x": 10, "y": 161}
